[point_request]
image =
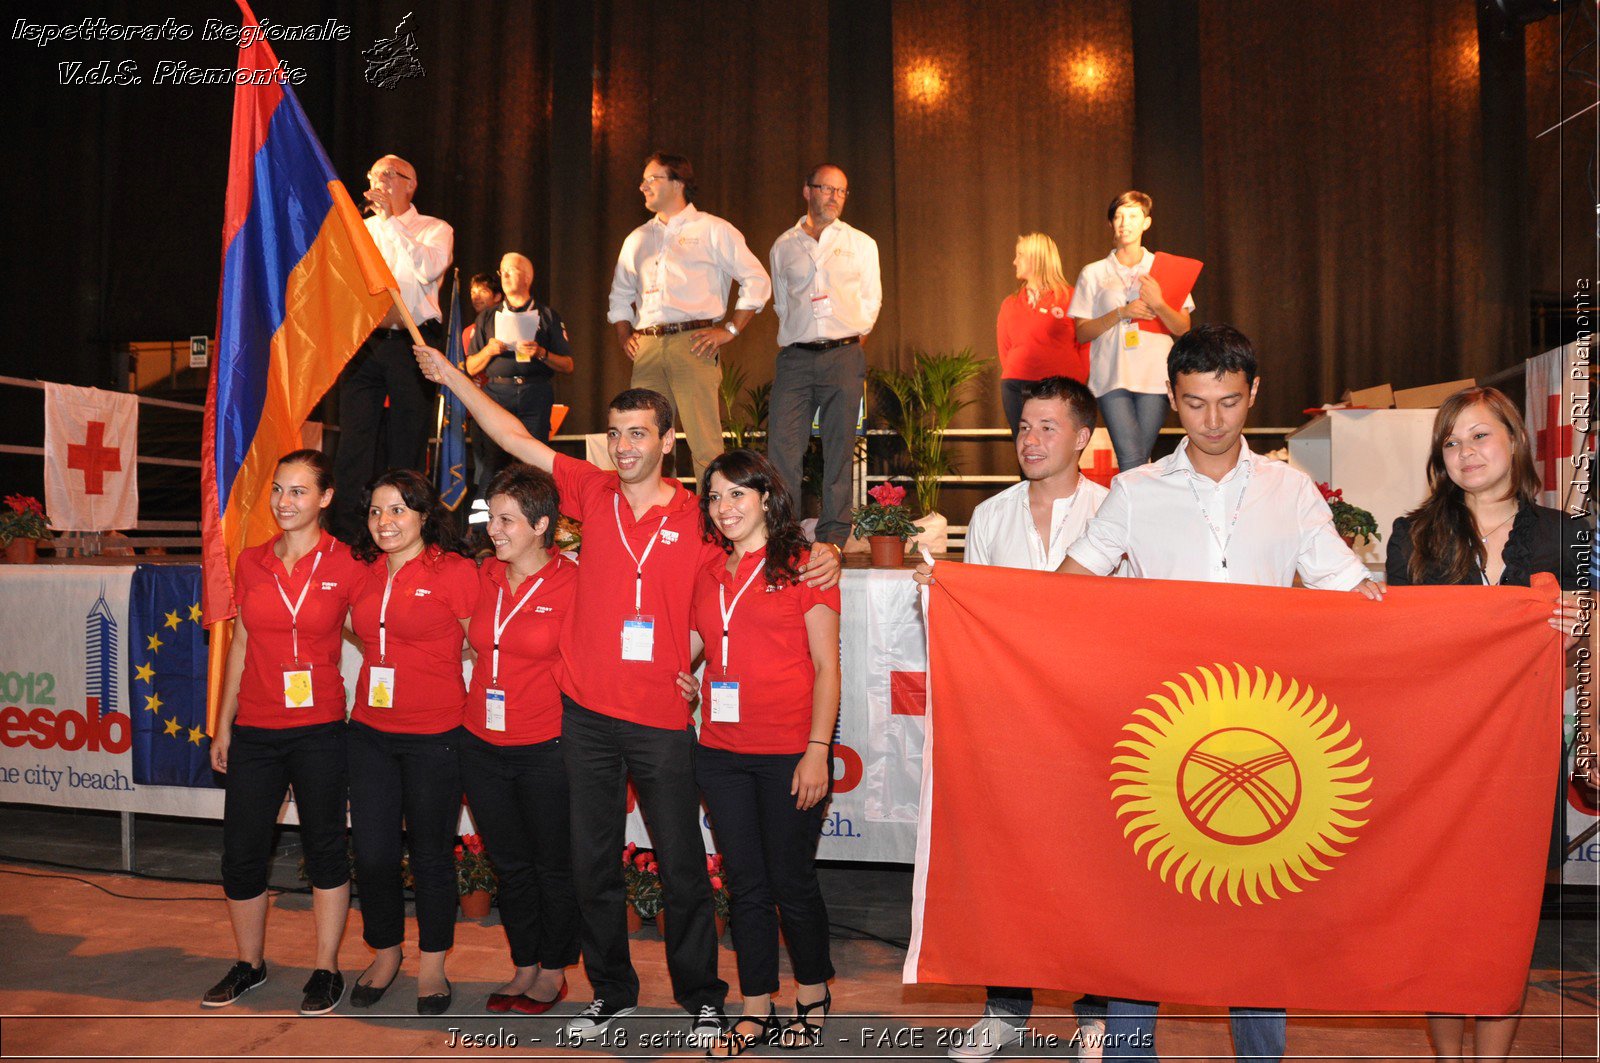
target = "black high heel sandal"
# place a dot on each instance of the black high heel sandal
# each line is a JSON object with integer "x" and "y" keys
{"x": 740, "y": 1043}
{"x": 801, "y": 1032}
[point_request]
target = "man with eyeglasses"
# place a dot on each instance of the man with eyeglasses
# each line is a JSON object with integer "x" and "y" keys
{"x": 418, "y": 250}
{"x": 827, "y": 293}
{"x": 669, "y": 295}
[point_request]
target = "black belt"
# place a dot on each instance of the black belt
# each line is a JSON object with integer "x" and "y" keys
{"x": 673, "y": 329}
{"x": 515, "y": 379}
{"x": 827, "y": 345}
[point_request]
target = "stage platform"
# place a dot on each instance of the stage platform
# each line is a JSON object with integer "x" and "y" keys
{"x": 103, "y": 965}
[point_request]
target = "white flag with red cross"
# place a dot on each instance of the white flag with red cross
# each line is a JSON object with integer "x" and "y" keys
{"x": 91, "y": 443}
{"x": 1557, "y": 395}
{"x": 1099, "y": 461}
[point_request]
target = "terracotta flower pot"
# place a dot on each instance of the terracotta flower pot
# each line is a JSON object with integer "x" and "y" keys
{"x": 475, "y": 905}
{"x": 635, "y": 924}
{"x": 888, "y": 551}
{"x": 22, "y": 551}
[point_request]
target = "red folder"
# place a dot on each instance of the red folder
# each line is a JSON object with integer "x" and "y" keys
{"x": 1176, "y": 275}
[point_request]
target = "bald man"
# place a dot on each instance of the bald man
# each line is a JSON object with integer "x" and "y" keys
{"x": 518, "y": 374}
{"x": 418, "y": 250}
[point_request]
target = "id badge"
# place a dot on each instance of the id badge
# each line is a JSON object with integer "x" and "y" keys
{"x": 297, "y": 686}
{"x": 652, "y": 299}
{"x": 523, "y": 356}
{"x": 380, "y": 687}
{"x": 821, "y": 305}
{"x": 724, "y": 700}
{"x": 638, "y": 638}
{"x": 494, "y": 710}
{"x": 1130, "y": 335}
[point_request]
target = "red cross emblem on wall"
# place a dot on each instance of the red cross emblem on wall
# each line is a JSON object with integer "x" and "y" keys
{"x": 94, "y": 458}
{"x": 1554, "y": 442}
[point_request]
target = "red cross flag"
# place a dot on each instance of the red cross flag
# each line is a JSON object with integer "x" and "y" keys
{"x": 1098, "y": 461}
{"x": 1557, "y": 394}
{"x": 90, "y": 447}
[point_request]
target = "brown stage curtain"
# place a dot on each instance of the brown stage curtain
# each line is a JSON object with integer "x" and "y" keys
{"x": 1343, "y": 186}
{"x": 1560, "y": 193}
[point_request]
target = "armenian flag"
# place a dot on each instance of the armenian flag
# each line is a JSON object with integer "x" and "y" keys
{"x": 303, "y": 285}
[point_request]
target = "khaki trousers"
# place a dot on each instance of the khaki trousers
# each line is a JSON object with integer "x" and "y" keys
{"x": 666, "y": 364}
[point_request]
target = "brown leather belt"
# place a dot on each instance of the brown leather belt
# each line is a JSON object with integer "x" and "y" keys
{"x": 827, "y": 345}
{"x": 512, "y": 379}
{"x": 674, "y": 328}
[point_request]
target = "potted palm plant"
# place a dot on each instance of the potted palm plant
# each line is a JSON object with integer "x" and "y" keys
{"x": 927, "y": 398}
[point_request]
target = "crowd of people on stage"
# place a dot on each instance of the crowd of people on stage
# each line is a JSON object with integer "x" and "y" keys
{"x": 583, "y": 674}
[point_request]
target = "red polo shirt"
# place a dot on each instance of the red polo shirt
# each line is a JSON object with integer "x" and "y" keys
{"x": 530, "y": 650}
{"x": 270, "y": 643}
{"x": 1039, "y": 341}
{"x": 768, "y": 653}
{"x": 433, "y": 593}
{"x": 592, "y": 671}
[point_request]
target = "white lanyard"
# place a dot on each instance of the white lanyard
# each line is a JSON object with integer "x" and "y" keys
{"x": 499, "y": 628}
{"x": 1237, "y": 509}
{"x": 638, "y": 562}
{"x": 383, "y": 621}
{"x": 294, "y": 610}
{"x": 727, "y": 610}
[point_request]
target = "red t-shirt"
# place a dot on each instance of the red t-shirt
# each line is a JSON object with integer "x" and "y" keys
{"x": 1039, "y": 341}
{"x": 592, "y": 671}
{"x": 432, "y": 594}
{"x": 334, "y": 577}
{"x": 529, "y": 651}
{"x": 768, "y": 653}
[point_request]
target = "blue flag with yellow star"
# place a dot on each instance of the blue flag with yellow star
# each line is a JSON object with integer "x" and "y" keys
{"x": 167, "y": 685}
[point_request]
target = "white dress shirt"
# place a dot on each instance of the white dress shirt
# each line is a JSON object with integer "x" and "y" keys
{"x": 1102, "y": 287}
{"x": 1172, "y": 522}
{"x": 1002, "y": 531}
{"x": 418, "y": 250}
{"x": 680, "y": 270}
{"x": 827, "y": 288}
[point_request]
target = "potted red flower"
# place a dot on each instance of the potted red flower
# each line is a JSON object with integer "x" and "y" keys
{"x": 886, "y": 524}
{"x": 22, "y": 525}
{"x": 475, "y": 878}
{"x": 1350, "y": 521}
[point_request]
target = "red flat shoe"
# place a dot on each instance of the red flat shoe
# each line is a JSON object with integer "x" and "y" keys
{"x": 502, "y": 1001}
{"x": 526, "y": 1005}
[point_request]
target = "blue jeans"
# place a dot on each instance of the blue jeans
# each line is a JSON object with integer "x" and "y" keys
{"x": 1134, "y": 420}
{"x": 1258, "y": 1033}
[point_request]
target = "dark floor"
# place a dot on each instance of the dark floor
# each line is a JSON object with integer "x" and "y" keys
{"x": 99, "y": 964}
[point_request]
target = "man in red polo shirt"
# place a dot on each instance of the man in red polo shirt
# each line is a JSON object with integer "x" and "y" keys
{"x": 621, "y": 650}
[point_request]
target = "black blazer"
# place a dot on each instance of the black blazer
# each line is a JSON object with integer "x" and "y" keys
{"x": 1541, "y": 540}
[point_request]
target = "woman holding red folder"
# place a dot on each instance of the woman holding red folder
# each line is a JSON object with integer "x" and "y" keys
{"x": 1128, "y": 363}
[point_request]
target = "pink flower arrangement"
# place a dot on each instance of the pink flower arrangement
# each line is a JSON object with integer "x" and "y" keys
{"x": 886, "y": 494}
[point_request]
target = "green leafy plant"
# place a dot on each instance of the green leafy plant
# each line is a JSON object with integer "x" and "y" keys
{"x": 886, "y": 514}
{"x": 747, "y": 415}
{"x": 927, "y": 398}
{"x": 473, "y": 869}
{"x": 1350, "y": 521}
{"x": 23, "y": 518}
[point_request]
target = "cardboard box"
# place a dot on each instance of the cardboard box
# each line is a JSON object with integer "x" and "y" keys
{"x": 1430, "y": 397}
{"x": 1378, "y": 398}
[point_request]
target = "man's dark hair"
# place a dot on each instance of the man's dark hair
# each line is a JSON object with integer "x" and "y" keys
{"x": 645, "y": 399}
{"x": 811, "y": 174}
{"x": 1078, "y": 398}
{"x": 490, "y": 281}
{"x": 1214, "y": 349}
{"x": 534, "y": 492}
{"x": 678, "y": 168}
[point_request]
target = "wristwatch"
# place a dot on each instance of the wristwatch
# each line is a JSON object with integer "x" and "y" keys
{"x": 733, "y": 330}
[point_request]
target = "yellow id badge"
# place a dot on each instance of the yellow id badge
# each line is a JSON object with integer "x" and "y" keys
{"x": 297, "y": 687}
{"x": 1130, "y": 336}
{"x": 380, "y": 687}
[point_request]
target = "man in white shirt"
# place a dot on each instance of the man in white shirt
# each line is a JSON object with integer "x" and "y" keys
{"x": 1213, "y": 511}
{"x": 669, "y": 293}
{"x": 827, "y": 292}
{"x": 1030, "y": 525}
{"x": 418, "y": 250}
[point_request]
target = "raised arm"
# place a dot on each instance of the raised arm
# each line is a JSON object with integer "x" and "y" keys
{"x": 493, "y": 418}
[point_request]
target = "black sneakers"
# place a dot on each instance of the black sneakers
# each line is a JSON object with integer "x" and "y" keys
{"x": 323, "y": 991}
{"x": 593, "y": 1021}
{"x": 240, "y": 979}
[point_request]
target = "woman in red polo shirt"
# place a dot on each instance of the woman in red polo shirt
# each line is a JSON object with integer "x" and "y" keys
{"x": 511, "y": 760}
{"x": 405, "y": 731}
{"x": 764, "y": 762}
{"x": 1033, "y": 333}
{"x": 282, "y": 724}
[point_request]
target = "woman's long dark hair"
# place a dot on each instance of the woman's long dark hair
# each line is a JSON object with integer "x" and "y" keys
{"x": 785, "y": 541}
{"x": 1444, "y": 540}
{"x": 418, "y": 493}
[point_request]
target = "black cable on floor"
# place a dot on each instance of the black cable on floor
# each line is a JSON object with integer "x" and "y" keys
{"x": 272, "y": 891}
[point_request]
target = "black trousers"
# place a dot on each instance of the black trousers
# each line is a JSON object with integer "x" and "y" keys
{"x": 601, "y": 753}
{"x": 384, "y": 368}
{"x": 769, "y": 849}
{"x": 530, "y": 402}
{"x": 411, "y": 782}
{"x": 518, "y": 796}
{"x": 263, "y": 762}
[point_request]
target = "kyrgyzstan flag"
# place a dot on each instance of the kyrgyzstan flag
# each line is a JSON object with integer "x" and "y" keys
{"x": 1236, "y": 795}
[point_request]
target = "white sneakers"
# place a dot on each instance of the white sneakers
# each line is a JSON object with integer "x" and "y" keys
{"x": 985, "y": 1039}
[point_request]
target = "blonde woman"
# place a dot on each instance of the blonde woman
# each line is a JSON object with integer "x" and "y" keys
{"x": 1033, "y": 331}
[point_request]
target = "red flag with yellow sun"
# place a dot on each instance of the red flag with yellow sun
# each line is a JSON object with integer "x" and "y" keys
{"x": 1236, "y": 795}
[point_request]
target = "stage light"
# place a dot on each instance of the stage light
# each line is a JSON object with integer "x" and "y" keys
{"x": 1085, "y": 73}
{"x": 597, "y": 108}
{"x": 926, "y": 83}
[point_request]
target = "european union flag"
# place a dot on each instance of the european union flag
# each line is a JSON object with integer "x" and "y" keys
{"x": 450, "y": 470}
{"x": 167, "y": 689}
